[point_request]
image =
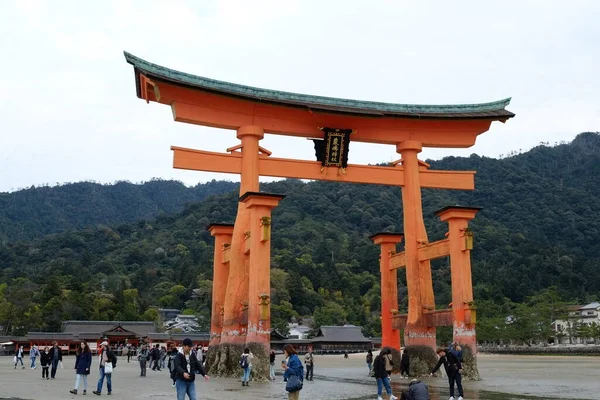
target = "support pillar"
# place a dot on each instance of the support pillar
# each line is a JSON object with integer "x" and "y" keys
{"x": 236, "y": 300}
{"x": 461, "y": 243}
{"x": 390, "y": 337}
{"x": 259, "y": 293}
{"x": 222, "y": 234}
{"x": 418, "y": 274}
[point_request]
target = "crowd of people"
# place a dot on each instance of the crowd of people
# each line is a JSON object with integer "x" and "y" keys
{"x": 186, "y": 362}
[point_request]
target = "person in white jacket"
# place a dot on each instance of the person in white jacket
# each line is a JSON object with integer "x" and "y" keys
{"x": 246, "y": 364}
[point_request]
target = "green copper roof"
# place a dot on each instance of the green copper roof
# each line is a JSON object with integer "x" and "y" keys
{"x": 494, "y": 110}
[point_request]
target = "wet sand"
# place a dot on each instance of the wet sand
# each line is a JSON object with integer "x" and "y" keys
{"x": 504, "y": 377}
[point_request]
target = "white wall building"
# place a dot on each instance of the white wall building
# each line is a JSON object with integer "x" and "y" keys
{"x": 568, "y": 331}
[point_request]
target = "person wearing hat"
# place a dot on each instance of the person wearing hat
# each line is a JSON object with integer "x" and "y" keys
{"x": 106, "y": 356}
{"x": 186, "y": 365}
{"x": 417, "y": 390}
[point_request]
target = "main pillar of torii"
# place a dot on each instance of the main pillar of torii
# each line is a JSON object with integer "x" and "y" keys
{"x": 252, "y": 112}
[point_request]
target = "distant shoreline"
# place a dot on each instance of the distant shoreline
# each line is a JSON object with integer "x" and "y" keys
{"x": 591, "y": 350}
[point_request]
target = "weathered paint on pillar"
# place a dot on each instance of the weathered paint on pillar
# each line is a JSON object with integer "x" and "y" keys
{"x": 390, "y": 337}
{"x": 461, "y": 242}
{"x": 236, "y": 300}
{"x": 259, "y": 293}
{"x": 418, "y": 274}
{"x": 222, "y": 234}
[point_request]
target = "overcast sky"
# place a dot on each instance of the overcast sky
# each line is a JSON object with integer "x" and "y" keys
{"x": 68, "y": 109}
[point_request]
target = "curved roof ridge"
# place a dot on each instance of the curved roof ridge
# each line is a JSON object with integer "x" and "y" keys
{"x": 489, "y": 109}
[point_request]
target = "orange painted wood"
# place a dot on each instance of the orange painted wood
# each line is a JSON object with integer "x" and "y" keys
{"x": 208, "y": 109}
{"x": 198, "y": 160}
{"x": 222, "y": 235}
{"x": 398, "y": 260}
{"x": 434, "y": 250}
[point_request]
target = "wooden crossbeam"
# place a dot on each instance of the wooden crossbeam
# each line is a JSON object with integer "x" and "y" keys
{"x": 226, "y": 254}
{"x": 198, "y": 160}
{"x": 428, "y": 251}
{"x": 433, "y": 318}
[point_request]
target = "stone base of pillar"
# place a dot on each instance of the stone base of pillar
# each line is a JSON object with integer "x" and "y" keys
{"x": 422, "y": 359}
{"x": 419, "y": 336}
{"x": 223, "y": 361}
{"x": 469, "y": 364}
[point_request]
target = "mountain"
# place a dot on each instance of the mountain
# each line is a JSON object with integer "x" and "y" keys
{"x": 539, "y": 229}
{"x": 32, "y": 213}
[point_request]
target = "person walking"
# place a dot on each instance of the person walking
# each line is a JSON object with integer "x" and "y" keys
{"x": 45, "y": 362}
{"x": 246, "y": 364}
{"x": 453, "y": 369}
{"x": 163, "y": 356}
{"x": 107, "y": 362}
{"x": 272, "y": 365}
{"x": 55, "y": 358}
{"x": 34, "y": 353}
{"x": 128, "y": 351}
{"x": 369, "y": 361}
{"x": 83, "y": 363}
{"x": 19, "y": 357}
{"x": 293, "y": 372}
{"x": 417, "y": 390}
{"x": 156, "y": 358}
{"x": 309, "y": 362}
{"x": 405, "y": 364}
{"x": 186, "y": 365}
{"x": 142, "y": 357}
{"x": 381, "y": 375}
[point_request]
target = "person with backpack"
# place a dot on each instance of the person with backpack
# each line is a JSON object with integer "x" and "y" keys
{"x": 171, "y": 363}
{"x": 34, "y": 353}
{"x": 381, "y": 375}
{"x": 107, "y": 362}
{"x": 186, "y": 365}
{"x": 246, "y": 364}
{"x": 83, "y": 363}
{"x": 453, "y": 368}
{"x": 294, "y": 372}
{"x": 309, "y": 362}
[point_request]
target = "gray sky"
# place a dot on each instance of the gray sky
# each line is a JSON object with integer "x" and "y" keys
{"x": 68, "y": 110}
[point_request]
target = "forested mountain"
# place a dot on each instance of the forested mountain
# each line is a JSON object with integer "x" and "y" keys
{"x": 32, "y": 213}
{"x": 539, "y": 229}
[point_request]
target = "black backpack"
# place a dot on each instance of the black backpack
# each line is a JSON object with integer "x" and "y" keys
{"x": 244, "y": 361}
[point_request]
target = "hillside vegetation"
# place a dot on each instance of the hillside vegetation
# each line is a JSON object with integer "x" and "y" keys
{"x": 537, "y": 243}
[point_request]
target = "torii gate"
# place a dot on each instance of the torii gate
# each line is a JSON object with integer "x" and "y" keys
{"x": 241, "y": 284}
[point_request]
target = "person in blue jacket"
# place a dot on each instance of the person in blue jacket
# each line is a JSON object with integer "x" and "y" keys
{"x": 83, "y": 363}
{"x": 293, "y": 367}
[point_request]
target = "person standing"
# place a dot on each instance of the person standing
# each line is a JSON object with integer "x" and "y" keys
{"x": 33, "y": 355}
{"x": 45, "y": 362}
{"x": 417, "y": 390}
{"x": 405, "y": 364}
{"x": 381, "y": 375}
{"x": 453, "y": 369}
{"x": 163, "y": 356}
{"x": 142, "y": 357}
{"x": 171, "y": 363}
{"x": 272, "y": 365}
{"x": 19, "y": 357}
{"x": 309, "y": 362}
{"x": 156, "y": 358}
{"x": 186, "y": 365}
{"x": 128, "y": 351}
{"x": 246, "y": 364}
{"x": 293, "y": 372}
{"x": 107, "y": 361}
{"x": 83, "y": 363}
{"x": 369, "y": 360}
{"x": 389, "y": 360}
{"x": 55, "y": 358}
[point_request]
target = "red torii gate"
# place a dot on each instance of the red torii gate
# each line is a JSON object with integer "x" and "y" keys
{"x": 241, "y": 284}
